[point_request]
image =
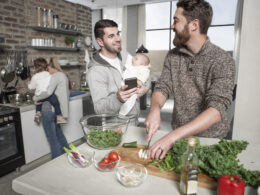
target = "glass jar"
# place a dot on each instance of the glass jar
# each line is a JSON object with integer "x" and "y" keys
{"x": 44, "y": 17}
{"x": 55, "y": 21}
{"x": 50, "y": 18}
{"x": 39, "y": 16}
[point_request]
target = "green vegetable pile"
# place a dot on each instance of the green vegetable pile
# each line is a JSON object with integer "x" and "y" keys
{"x": 104, "y": 139}
{"x": 214, "y": 160}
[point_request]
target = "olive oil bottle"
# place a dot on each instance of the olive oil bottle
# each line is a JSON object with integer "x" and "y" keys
{"x": 189, "y": 170}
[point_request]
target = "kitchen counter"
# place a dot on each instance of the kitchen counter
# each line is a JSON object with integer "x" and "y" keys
{"x": 27, "y": 107}
{"x": 59, "y": 177}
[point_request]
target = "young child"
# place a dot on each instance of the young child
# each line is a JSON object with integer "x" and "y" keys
{"x": 40, "y": 82}
{"x": 139, "y": 67}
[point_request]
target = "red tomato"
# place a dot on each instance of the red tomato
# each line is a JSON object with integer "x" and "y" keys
{"x": 111, "y": 165}
{"x": 106, "y": 160}
{"x": 102, "y": 165}
{"x": 118, "y": 130}
{"x": 113, "y": 156}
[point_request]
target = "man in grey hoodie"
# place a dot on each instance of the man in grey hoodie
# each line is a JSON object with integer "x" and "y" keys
{"x": 105, "y": 73}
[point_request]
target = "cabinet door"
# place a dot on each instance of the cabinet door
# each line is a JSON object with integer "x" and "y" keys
{"x": 72, "y": 130}
{"x": 34, "y": 139}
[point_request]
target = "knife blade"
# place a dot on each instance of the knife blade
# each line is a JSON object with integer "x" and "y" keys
{"x": 146, "y": 149}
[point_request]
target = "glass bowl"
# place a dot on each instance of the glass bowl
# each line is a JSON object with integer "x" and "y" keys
{"x": 105, "y": 167}
{"x": 87, "y": 157}
{"x": 104, "y": 131}
{"x": 131, "y": 175}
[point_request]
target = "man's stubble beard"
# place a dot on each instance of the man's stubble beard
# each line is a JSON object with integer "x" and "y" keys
{"x": 181, "y": 38}
{"x": 112, "y": 50}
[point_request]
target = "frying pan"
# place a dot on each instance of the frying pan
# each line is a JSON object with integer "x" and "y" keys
{"x": 7, "y": 76}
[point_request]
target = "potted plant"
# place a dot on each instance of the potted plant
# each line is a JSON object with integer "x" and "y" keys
{"x": 68, "y": 41}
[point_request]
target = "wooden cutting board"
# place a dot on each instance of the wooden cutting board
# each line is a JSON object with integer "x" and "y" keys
{"x": 130, "y": 155}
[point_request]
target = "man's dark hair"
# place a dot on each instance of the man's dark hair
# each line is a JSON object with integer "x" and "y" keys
{"x": 197, "y": 9}
{"x": 100, "y": 25}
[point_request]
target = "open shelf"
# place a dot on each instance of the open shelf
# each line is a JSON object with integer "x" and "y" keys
{"x": 54, "y": 48}
{"x": 55, "y": 30}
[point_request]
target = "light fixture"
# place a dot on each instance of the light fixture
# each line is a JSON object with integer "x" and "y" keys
{"x": 142, "y": 49}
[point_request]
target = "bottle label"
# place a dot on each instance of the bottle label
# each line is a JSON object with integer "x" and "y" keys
{"x": 192, "y": 184}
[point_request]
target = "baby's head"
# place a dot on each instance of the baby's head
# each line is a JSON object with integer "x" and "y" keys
{"x": 140, "y": 60}
{"x": 40, "y": 64}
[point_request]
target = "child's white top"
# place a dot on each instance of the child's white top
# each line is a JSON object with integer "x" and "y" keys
{"x": 40, "y": 82}
{"x": 141, "y": 72}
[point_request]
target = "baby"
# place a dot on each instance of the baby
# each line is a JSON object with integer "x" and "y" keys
{"x": 40, "y": 82}
{"x": 139, "y": 67}
{"x": 141, "y": 64}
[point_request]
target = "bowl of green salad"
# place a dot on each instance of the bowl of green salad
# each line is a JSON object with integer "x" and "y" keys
{"x": 104, "y": 131}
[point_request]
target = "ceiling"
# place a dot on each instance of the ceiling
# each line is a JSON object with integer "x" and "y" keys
{"x": 99, "y": 4}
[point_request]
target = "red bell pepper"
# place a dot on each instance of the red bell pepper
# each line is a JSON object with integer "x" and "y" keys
{"x": 230, "y": 185}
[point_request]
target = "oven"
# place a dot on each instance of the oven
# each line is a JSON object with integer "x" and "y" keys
{"x": 11, "y": 141}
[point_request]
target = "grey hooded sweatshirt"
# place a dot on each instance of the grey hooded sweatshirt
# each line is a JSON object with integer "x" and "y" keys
{"x": 104, "y": 81}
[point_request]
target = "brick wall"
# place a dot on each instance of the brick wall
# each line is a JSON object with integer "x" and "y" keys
{"x": 16, "y": 15}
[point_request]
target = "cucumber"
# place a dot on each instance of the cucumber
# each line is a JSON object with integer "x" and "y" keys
{"x": 130, "y": 145}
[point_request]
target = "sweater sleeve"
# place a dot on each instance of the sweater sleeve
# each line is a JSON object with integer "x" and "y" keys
{"x": 219, "y": 95}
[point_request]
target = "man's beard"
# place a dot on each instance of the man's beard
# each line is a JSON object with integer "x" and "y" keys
{"x": 112, "y": 49}
{"x": 181, "y": 38}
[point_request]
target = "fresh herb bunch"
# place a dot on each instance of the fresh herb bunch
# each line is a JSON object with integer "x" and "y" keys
{"x": 214, "y": 160}
{"x": 104, "y": 139}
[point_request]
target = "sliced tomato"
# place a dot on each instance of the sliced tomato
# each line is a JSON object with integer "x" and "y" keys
{"x": 113, "y": 156}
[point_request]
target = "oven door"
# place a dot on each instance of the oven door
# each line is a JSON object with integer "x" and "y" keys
{"x": 8, "y": 142}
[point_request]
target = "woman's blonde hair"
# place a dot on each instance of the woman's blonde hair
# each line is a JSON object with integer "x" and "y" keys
{"x": 54, "y": 64}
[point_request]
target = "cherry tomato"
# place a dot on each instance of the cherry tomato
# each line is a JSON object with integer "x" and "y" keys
{"x": 106, "y": 160}
{"x": 102, "y": 165}
{"x": 111, "y": 165}
{"x": 113, "y": 156}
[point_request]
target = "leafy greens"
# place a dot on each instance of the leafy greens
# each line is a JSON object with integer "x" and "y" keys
{"x": 214, "y": 160}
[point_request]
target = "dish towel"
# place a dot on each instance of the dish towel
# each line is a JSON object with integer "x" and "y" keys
{"x": 128, "y": 73}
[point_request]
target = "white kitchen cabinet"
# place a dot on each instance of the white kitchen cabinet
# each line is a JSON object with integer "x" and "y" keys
{"x": 34, "y": 139}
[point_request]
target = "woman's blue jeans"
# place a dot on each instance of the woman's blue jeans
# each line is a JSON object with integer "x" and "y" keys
{"x": 54, "y": 133}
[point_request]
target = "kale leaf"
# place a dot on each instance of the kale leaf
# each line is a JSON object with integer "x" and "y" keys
{"x": 214, "y": 160}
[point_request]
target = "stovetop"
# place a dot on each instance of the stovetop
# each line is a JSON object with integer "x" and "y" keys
{"x": 7, "y": 110}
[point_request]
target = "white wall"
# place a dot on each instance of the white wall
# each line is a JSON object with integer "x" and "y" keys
{"x": 247, "y": 109}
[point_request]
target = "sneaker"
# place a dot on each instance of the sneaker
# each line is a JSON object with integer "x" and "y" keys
{"x": 61, "y": 120}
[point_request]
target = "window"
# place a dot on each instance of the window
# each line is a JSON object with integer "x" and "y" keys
{"x": 159, "y": 16}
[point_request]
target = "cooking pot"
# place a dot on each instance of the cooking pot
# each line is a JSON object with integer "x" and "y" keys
{"x": 28, "y": 98}
{"x": 16, "y": 99}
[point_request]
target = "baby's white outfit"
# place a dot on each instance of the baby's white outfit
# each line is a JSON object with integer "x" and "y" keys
{"x": 142, "y": 73}
{"x": 40, "y": 82}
